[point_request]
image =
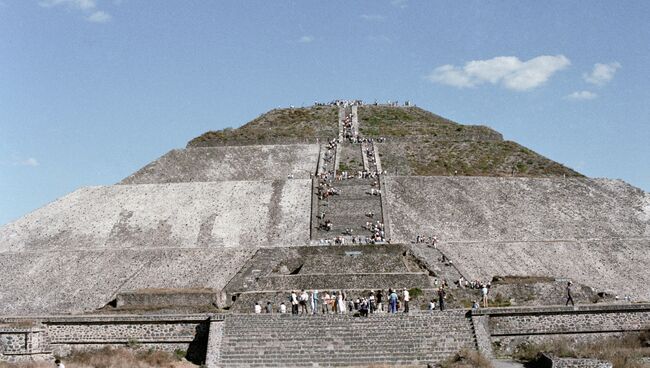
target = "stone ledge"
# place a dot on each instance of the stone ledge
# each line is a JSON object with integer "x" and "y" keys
{"x": 604, "y": 308}
{"x": 126, "y": 318}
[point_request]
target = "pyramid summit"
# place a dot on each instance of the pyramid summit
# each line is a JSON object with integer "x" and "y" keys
{"x": 345, "y": 198}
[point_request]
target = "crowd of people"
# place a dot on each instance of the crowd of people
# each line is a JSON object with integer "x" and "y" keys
{"x": 392, "y": 301}
{"x": 338, "y": 302}
{"x": 431, "y": 240}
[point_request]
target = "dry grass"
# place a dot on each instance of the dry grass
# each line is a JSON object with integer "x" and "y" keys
{"x": 112, "y": 358}
{"x": 279, "y": 126}
{"x": 623, "y": 352}
{"x": 467, "y": 358}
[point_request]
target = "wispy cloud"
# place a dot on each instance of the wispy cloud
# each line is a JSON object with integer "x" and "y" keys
{"x": 88, "y": 7}
{"x": 602, "y": 73}
{"x": 507, "y": 71}
{"x": 16, "y": 160}
{"x": 399, "y": 3}
{"x": 581, "y": 95}
{"x": 306, "y": 39}
{"x": 373, "y": 17}
{"x": 99, "y": 16}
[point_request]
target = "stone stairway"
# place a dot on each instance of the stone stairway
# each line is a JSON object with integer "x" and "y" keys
{"x": 348, "y": 209}
{"x": 343, "y": 340}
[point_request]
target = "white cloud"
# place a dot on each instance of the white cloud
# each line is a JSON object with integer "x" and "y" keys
{"x": 99, "y": 17}
{"x": 88, "y": 7}
{"x": 78, "y": 4}
{"x": 602, "y": 73}
{"x": 16, "y": 160}
{"x": 582, "y": 95}
{"x": 373, "y": 17}
{"x": 508, "y": 71}
{"x": 306, "y": 39}
{"x": 399, "y": 3}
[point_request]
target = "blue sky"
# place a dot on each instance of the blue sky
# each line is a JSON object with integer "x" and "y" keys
{"x": 92, "y": 90}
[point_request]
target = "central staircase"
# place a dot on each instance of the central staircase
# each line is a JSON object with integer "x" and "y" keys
{"x": 344, "y": 341}
{"x": 358, "y": 200}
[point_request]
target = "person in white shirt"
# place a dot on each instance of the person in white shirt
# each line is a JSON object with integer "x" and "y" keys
{"x": 406, "y": 298}
{"x": 304, "y": 297}
{"x": 58, "y": 364}
{"x": 432, "y": 305}
{"x": 484, "y": 293}
{"x": 258, "y": 308}
{"x": 294, "y": 303}
{"x": 283, "y": 308}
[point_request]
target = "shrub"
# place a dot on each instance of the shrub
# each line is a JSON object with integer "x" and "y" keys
{"x": 415, "y": 292}
{"x": 467, "y": 358}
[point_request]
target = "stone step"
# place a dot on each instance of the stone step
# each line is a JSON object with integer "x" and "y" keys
{"x": 341, "y": 340}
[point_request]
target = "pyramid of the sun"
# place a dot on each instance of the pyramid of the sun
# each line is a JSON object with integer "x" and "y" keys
{"x": 195, "y": 216}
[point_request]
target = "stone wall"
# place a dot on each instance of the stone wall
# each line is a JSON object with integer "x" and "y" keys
{"x": 230, "y": 163}
{"x": 349, "y": 281}
{"x": 511, "y": 327}
{"x": 62, "y": 335}
{"x": 323, "y": 260}
{"x": 16, "y": 340}
{"x": 85, "y": 280}
{"x": 217, "y": 214}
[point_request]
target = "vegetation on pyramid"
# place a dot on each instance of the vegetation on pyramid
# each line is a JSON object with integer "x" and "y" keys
{"x": 416, "y": 142}
{"x": 278, "y": 126}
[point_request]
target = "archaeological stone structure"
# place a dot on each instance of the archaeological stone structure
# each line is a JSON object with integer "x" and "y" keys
{"x": 347, "y": 199}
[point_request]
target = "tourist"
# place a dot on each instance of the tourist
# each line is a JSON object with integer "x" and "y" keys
{"x": 269, "y": 307}
{"x": 380, "y": 297}
{"x": 294, "y": 303}
{"x": 258, "y": 308}
{"x": 314, "y": 302}
{"x": 371, "y": 302}
{"x": 326, "y": 303}
{"x": 441, "y": 298}
{"x": 475, "y": 305}
{"x": 393, "y": 301}
{"x": 363, "y": 308}
{"x": 484, "y": 294}
{"x": 569, "y": 294}
{"x": 340, "y": 304}
{"x": 58, "y": 364}
{"x": 283, "y": 308}
{"x": 406, "y": 297}
{"x": 303, "y": 302}
{"x": 432, "y": 305}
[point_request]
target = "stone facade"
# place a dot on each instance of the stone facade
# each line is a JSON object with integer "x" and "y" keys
{"x": 61, "y": 335}
{"x": 510, "y": 327}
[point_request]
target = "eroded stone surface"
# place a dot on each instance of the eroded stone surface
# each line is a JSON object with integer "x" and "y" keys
{"x": 229, "y": 163}
{"x": 77, "y": 281}
{"x": 516, "y": 209}
{"x": 220, "y": 214}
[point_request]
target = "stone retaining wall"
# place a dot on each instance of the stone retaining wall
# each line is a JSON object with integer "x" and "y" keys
{"x": 61, "y": 335}
{"x": 344, "y": 281}
{"x": 511, "y": 327}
